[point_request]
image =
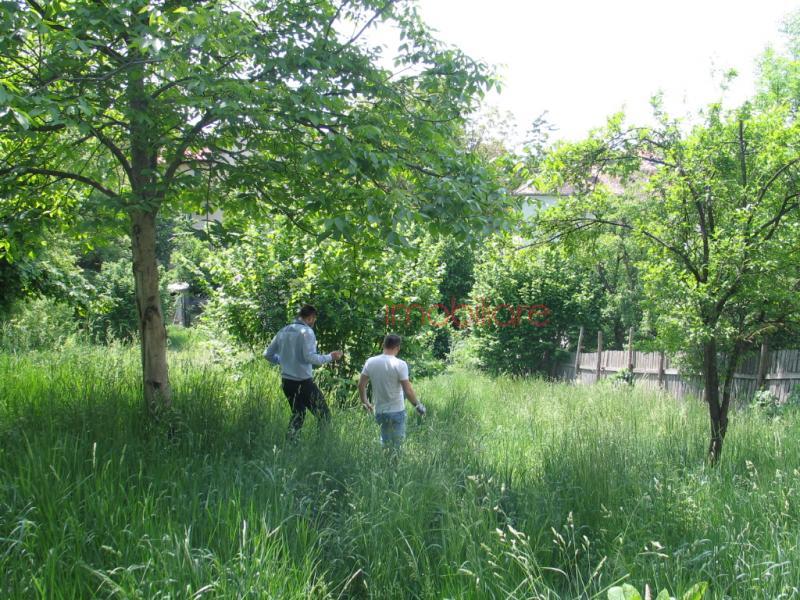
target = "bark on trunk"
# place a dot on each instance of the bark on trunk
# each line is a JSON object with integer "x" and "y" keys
{"x": 619, "y": 334}
{"x": 155, "y": 375}
{"x": 730, "y": 370}
{"x": 719, "y": 418}
{"x": 146, "y": 201}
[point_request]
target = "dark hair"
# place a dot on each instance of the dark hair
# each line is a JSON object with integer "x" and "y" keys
{"x": 392, "y": 341}
{"x": 306, "y": 311}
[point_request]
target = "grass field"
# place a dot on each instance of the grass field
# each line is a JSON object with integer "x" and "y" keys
{"x": 508, "y": 489}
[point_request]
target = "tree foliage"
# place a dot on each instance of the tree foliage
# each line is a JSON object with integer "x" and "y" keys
{"x": 129, "y": 108}
{"x": 715, "y": 212}
{"x": 268, "y": 98}
{"x": 526, "y": 304}
{"x": 257, "y": 284}
{"x": 779, "y": 72}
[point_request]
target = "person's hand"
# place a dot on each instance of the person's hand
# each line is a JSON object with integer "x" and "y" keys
{"x": 337, "y": 354}
{"x": 420, "y": 408}
{"x": 368, "y": 407}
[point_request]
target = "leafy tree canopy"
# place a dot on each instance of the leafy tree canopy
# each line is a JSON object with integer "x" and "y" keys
{"x": 129, "y": 107}
{"x": 144, "y": 104}
{"x": 714, "y": 209}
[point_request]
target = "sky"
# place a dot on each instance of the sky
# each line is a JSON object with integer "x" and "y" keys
{"x": 582, "y": 60}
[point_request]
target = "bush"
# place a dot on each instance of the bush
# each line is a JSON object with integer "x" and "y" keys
{"x": 465, "y": 351}
{"x": 37, "y": 324}
{"x": 767, "y": 402}
{"x": 52, "y": 270}
{"x": 794, "y": 396}
{"x": 528, "y": 306}
{"x": 260, "y": 282}
{"x": 189, "y": 262}
{"x": 113, "y": 312}
{"x": 622, "y": 377}
{"x": 91, "y": 289}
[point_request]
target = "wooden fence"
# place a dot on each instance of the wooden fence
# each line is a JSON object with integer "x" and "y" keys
{"x": 780, "y": 372}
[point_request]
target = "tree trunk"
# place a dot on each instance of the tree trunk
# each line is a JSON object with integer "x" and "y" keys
{"x": 730, "y": 370}
{"x": 146, "y": 201}
{"x": 719, "y": 417}
{"x": 619, "y": 334}
{"x": 155, "y": 376}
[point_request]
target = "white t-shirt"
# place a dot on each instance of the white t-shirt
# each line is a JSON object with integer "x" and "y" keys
{"x": 385, "y": 373}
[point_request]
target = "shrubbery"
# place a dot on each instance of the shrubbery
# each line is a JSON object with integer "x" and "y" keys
{"x": 251, "y": 283}
{"x": 88, "y": 290}
{"x": 37, "y": 324}
{"x": 771, "y": 405}
{"x": 115, "y": 315}
{"x": 257, "y": 284}
{"x": 535, "y": 299}
{"x": 52, "y": 271}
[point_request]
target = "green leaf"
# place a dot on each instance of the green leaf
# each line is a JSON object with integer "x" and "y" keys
{"x": 5, "y": 97}
{"x": 22, "y": 118}
{"x": 664, "y": 595}
{"x": 625, "y": 592}
{"x": 84, "y": 107}
{"x": 696, "y": 592}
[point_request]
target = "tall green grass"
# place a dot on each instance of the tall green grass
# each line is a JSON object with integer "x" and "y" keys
{"x": 510, "y": 488}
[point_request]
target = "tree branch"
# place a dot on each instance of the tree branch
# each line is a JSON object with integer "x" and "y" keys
{"x": 115, "y": 150}
{"x": 178, "y": 158}
{"x": 773, "y": 223}
{"x": 683, "y": 257}
{"x": 701, "y": 215}
{"x": 61, "y": 174}
{"x": 378, "y": 14}
{"x": 554, "y": 237}
{"x": 742, "y": 154}
{"x": 778, "y": 173}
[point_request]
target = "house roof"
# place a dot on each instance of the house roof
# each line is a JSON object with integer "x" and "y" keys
{"x": 613, "y": 183}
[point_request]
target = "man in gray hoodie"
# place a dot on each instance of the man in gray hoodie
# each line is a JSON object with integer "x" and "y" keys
{"x": 294, "y": 348}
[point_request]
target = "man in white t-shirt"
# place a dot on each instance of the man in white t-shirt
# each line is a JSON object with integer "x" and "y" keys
{"x": 389, "y": 378}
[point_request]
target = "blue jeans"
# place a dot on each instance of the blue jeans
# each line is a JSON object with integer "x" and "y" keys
{"x": 393, "y": 427}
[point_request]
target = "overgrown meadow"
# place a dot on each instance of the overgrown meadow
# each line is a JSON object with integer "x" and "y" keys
{"x": 510, "y": 488}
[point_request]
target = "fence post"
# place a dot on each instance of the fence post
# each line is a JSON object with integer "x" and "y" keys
{"x": 599, "y": 356}
{"x": 630, "y": 351}
{"x": 762, "y": 365}
{"x": 661, "y": 369}
{"x": 578, "y": 355}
